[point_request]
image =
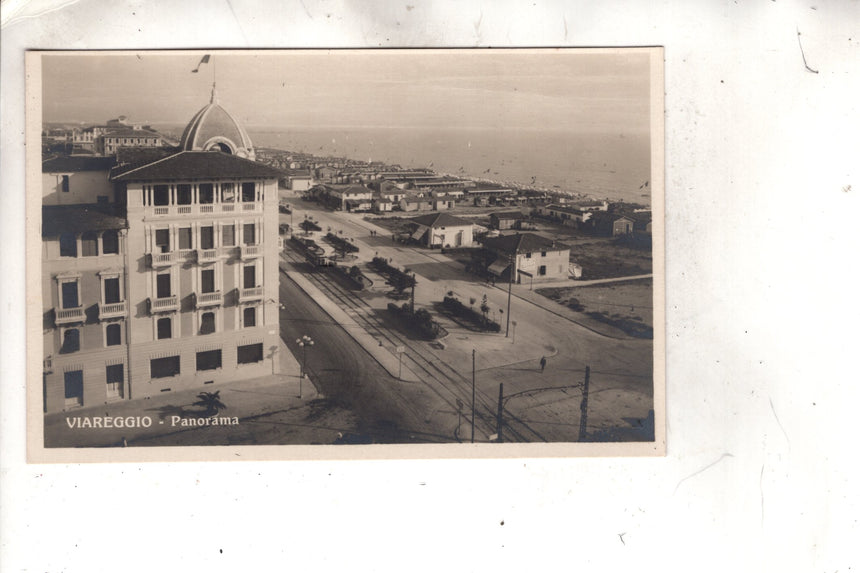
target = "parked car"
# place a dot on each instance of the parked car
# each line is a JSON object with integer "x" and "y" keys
{"x": 284, "y": 209}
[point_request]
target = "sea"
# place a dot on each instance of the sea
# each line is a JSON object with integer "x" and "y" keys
{"x": 598, "y": 165}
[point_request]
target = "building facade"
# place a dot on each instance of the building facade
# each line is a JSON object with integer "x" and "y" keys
{"x": 169, "y": 284}
{"x": 531, "y": 258}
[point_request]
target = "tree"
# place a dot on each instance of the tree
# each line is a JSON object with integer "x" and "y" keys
{"x": 211, "y": 401}
{"x": 485, "y": 308}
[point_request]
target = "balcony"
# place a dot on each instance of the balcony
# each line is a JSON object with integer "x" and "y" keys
{"x": 69, "y": 315}
{"x": 162, "y": 259}
{"x": 251, "y": 206}
{"x": 207, "y": 255}
{"x": 205, "y": 299}
{"x": 112, "y": 310}
{"x": 251, "y": 251}
{"x": 251, "y": 294}
{"x": 164, "y": 304}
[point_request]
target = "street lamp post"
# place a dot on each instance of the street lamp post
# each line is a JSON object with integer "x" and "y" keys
{"x": 304, "y": 342}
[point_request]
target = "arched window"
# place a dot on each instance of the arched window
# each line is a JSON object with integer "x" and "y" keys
{"x": 71, "y": 340}
{"x": 113, "y": 334}
{"x": 207, "y": 323}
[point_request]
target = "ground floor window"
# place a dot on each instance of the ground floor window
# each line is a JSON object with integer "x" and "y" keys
{"x": 114, "y": 379}
{"x": 249, "y": 353}
{"x": 542, "y": 270}
{"x": 164, "y": 367}
{"x": 74, "y": 387}
{"x": 209, "y": 360}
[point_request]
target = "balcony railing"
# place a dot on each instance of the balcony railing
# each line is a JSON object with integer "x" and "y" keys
{"x": 209, "y": 299}
{"x": 250, "y": 294}
{"x": 206, "y": 208}
{"x": 164, "y": 304}
{"x": 69, "y": 315}
{"x": 207, "y": 255}
{"x": 251, "y": 251}
{"x": 112, "y": 310}
{"x": 162, "y": 259}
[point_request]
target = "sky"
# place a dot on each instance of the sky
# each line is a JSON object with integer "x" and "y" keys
{"x": 581, "y": 92}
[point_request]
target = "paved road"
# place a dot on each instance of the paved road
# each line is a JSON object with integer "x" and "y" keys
{"x": 548, "y": 402}
{"x": 387, "y": 409}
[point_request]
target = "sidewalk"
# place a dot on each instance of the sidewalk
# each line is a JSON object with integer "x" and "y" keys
{"x": 166, "y": 412}
{"x": 380, "y": 353}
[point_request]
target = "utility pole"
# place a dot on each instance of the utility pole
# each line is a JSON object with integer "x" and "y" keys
{"x": 583, "y": 407}
{"x": 510, "y": 286}
{"x": 473, "y": 395}
{"x": 499, "y": 417}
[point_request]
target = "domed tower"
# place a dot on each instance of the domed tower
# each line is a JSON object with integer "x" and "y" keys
{"x": 214, "y": 129}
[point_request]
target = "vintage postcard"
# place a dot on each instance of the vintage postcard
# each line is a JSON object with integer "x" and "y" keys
{"x": 318, "y": 254}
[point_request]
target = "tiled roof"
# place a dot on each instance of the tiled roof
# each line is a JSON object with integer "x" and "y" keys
{"x": 200, "y": 165}
{"x": 523, "y": 243}
{"x": 128, "y": 158}
{"x": 440, "y": 220}
{"x": 58, "y": 219}
{"x": 75, "y": 163}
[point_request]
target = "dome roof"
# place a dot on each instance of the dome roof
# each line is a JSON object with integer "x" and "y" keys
{"x": 213, "y": 128}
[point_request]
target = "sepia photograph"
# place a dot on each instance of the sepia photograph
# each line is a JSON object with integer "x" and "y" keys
{"x": 356, "y": 248}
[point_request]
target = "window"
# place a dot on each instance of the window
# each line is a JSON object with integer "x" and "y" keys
{"x": 250, "y": 276}
{"x": 160, "y": 195}
{"x": 164, "y": 328}
{"x": 249, "y": 236}
{"x": 185, "y": 238}
{"x": 183, "y": 194}
{"x": 112, "y": 290}
{"x": 543, "y": 253}
{"x": 207, "y": 280}
{"x": 113, "y": 335}
{"x": 162, "y": 285}
{"x": 228, "y": 236}
{"x": 249, "y": 317}
{"x": 65, "y": 184}
{"x": 207, "y": 323}
{"x": 114, "y": 379}
{"x": 164, "y": 367}
{"x": 69, "y": 294}
{"x": 206, "y": 193}
{"x": 528, "y": 255}
{"x": 71, "y": 341}
{"x": 542, "y": 270}
{"x": 207, "y": 237}
{"x": 90, "y": 244}
{"x": 110, "y": 243}
{"x": 74, "y": 387}
{"x": 162, "y": 240}
{"x": 248, "y": 194}
{"x": 68, "y": 245}
{"x": 249, "y": 353}
{"x": 209, "y": 360}
{"x": 228, "y": 193}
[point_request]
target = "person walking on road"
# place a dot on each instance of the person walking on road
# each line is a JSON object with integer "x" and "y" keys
{"x": 542, "y": 363}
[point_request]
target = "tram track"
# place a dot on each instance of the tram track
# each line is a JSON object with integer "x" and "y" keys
{"x": 446, "y": 382}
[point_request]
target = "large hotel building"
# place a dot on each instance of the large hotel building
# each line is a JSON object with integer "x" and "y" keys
{"x": 160, "y": 267}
